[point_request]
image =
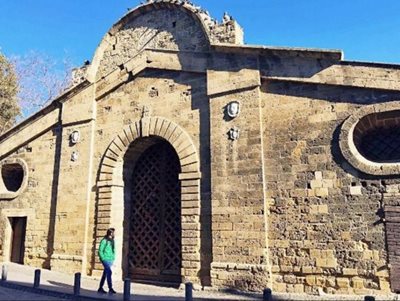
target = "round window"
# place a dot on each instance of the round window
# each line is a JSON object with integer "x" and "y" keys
{"x": 14, "y": 178}
{"x": 377, "y": 137}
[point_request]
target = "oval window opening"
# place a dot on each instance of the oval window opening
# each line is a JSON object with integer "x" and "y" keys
{"x": 377, "y": 137}
{"x": 13, "y": 176}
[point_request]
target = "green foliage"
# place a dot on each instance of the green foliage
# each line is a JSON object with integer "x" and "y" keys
{"x": 9, "y": 107}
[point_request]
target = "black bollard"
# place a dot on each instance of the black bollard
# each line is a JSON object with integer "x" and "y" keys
{"x": 188, "y": 291}
{"x": 36, "y": 280}
{"x": 77, "y": 284}
{"x": 127, "y": 289}
{"x": 369, "y": 298}
{"x": 267, "y": 294}
{"x": 4, "y": 273}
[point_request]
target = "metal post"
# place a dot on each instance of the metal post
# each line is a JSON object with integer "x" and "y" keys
{"x": 267, "y": 294}
{"x": 77, "y": 284}
{"x": 188, "y": 291}
{"x": 36, "y": 280}
{"x": 4, "y": 273}
{"x": 127, "y": 289}
{"x": 369, "y": 298}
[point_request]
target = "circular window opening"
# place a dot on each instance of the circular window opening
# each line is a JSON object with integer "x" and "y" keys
{"x": 377, "y": 137}
{"x": 13, "y": 176}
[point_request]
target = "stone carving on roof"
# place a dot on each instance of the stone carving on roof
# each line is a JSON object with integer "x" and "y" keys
{"x": 79, "y": 74}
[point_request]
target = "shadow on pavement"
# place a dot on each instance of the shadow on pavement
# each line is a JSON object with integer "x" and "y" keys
{"x": 65, "y": 291}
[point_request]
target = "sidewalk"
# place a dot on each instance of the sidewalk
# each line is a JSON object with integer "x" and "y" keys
{"x": 57, "y": 286}
{"x": 63, "y": 284}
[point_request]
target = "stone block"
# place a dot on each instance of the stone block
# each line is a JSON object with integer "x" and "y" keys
{"x": 310, "y": 192}
{"x": 286, "y": 268}
{"x": 319, "y": 209}
{"x": 345, "y": 291}
{"x": 223, "y": 275}
{"x": 331, "y": 175}
{"x": 355, "y": 190}
{"x": 223, "y": 226}
{"x": 326, "y": 262}
{"x": 357, "y": 283}
{"x": 384, "y": 285}
{"x": 279, "y": 287}
{"x": 320, "y": 281}
{"x": 363, "y": 291}
{"x": 350, "y": 272}
{"x": 315, "y": 253}
{"x": 318, "y": 175}
{"x": 316, "y": 184}
{"x": 343, "y": 282}
{"x": 275, "y": 269}
{"x": 321, "y": 192}
{"x": 392, "y": 189}
{"x": 346, "y": 235}
{"x": 307, "y": 269}
{"x": 382, "y": 273}
{"x": 328, "y": 183}
{"x": 311, "y": 280}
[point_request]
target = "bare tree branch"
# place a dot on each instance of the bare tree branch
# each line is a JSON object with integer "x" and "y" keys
{"x": 41, "y": 79}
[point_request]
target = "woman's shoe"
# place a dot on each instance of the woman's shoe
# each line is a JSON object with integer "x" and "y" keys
{"x": 111, "y": 291}
{"x": 101, "y": 291}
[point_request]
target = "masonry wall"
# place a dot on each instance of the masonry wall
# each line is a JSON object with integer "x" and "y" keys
{"x": 72, "y": 185}
{"x": 72, "y": 201}
{"x": 36, "y": 202}
{"x": 326, "y": 230}
{"x": 239, "y": 227}
{"x": 177, "y": 96}
{"x": 279, "y": 205}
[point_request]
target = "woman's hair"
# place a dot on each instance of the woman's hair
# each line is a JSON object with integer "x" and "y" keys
{"x": 110, "y": 231}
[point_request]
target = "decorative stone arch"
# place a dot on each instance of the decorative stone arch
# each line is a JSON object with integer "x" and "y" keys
{"x": 348, "y": 135}
{"x": 201, "y": 17}
{"x": 110, "y": 185}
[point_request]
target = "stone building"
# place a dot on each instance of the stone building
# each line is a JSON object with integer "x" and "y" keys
{"x": 217, "y": 162}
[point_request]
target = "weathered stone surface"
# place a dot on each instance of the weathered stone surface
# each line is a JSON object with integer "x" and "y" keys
{"x": 288, "y": 205}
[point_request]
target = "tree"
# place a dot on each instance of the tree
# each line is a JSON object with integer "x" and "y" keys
{"x": 9, "y": 88}
{"x": 41, "y": 79}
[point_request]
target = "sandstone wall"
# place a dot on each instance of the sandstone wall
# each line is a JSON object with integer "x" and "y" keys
{"x": 176, "y": 96}
{"x": 325, "y": 223}
{"x": 36, "y": 202}
{"x": 240, "y": 257}
{"x": 278, "y": 205}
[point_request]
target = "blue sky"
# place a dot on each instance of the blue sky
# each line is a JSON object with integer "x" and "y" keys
{"x": 366, "y": 30}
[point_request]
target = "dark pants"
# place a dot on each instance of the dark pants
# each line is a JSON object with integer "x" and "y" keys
{"x": 106, "y": 274}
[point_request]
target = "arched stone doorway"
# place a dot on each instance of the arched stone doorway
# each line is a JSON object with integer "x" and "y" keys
{"x": 112, "y": 208}
{"x": 153, "y": 190}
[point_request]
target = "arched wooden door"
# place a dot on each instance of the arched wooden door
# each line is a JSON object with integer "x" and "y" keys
{"x": 155, "y": 224}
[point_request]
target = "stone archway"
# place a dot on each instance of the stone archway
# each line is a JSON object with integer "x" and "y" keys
{"x": 153, "y": 234}
{"x": 110, "y": 185}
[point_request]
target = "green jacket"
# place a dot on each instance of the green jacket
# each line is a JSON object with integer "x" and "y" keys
{"x": 106, "y": 250}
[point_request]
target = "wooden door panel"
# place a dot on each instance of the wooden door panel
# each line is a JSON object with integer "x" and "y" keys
{"x": 18, "y": 226}
{"x": 155, "y": 223}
